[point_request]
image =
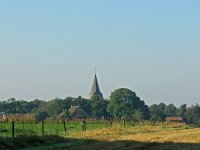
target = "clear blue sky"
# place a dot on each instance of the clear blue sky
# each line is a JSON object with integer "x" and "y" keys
{"x": 48, "y": 48}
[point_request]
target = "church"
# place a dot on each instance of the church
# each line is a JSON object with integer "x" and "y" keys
{"x": 76, "y": 112}
{"x": 95, "y": 90}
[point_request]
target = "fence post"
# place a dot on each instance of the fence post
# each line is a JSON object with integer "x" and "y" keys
{"x": 133, "y": 123}
{"x": 23, "y": 128}
{"x": 98, "y": 123}
{"x": 64, "y": 126}
{"x": 124, "y": 123}
{"x": 141, "y": 123}
{"x": 57, "y": 127}
{"x": 13, "y": 129}
{"x": 13, "y": 134}
{"x": 111, "y": 123}
{"x": 42, "y": 130}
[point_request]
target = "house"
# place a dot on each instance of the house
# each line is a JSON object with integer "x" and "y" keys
{"x": 173, "y": 119}
{"x": 75, "y": 112}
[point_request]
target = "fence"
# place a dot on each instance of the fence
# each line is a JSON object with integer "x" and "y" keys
{"x": 13, "y": 129}
{"x": 22, "y": 133}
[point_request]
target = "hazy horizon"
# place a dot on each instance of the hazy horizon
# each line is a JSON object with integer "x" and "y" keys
{"x": 49, "y": 49}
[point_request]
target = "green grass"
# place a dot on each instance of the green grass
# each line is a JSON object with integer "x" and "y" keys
{"x": 168, "y": 136}
{"x": 49, "y": 128}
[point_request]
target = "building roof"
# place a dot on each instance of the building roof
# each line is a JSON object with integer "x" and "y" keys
{"x": 72, "y": 109}
{"x": 95, "y": 90}
{"x": 75, "y": 112}
{"x": 174, "y": 119}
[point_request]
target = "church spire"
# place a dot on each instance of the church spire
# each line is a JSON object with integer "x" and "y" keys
{"x": 95, "y": 90}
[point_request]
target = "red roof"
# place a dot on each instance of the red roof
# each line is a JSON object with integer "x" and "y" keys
{"x": 174, "y": 119}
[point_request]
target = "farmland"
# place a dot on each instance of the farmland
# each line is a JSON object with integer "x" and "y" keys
{"x": 102, "y": 136}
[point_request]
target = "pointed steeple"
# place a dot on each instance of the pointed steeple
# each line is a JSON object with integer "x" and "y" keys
{"x": 95, "y": 90}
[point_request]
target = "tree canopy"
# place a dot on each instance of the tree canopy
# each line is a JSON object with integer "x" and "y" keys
{"x": 123, "y": 103}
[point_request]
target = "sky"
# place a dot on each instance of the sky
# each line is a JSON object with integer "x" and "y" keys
{"x": 49, "y": 48}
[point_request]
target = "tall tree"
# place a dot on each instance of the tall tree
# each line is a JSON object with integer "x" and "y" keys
{"x": 193, "y": 115}
{"x": 171, "y": 110}
{"x": 99, "y": 106}
{"x": 157, "y": 112}
{"x": 123, "y": 103}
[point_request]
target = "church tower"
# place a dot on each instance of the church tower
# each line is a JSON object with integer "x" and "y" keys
{"x": 95, "y": 90}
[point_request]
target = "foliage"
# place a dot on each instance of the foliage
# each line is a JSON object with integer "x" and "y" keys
{"x": 41, "y": 115}
{"x": 99, "y": 106}
{"x": 123, "y": 103}
{"x": 157, "y": 112}
{"x": 193, "y": 115}
{"x": 138, "y": 137}
{"x": 54, "y": 107}
{"x": 83, "y": 103}
{"x": 161, "y": 111}
{"x": 171, "y": 110}
{"x": 13, "y": 106}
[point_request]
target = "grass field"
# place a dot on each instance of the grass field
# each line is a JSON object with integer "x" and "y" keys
{"x": 49, "y": 128}
{"x": 172, "y": 136}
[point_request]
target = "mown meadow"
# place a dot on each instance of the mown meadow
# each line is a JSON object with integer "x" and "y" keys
{"x": 100, "y": 136}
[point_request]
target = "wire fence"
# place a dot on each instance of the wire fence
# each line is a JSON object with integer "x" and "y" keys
{"x": 20, "y": 134}
{"x": 48, "y": 128}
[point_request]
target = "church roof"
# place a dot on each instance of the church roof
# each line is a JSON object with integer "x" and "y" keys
{"x": 95, "y": 88}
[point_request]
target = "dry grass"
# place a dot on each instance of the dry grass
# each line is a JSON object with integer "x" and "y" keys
{"x": 146, "y": 137}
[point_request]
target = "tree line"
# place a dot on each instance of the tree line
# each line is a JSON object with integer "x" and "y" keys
{"x": 123, "y": 104}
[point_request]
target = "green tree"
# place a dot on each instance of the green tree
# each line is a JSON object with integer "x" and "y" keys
{"x": 171, "y": 111}
{"x": 13, "y": 106}
{"x": 157, "y": 112}
{"x": 99, "y": 106}
{"x": 84, "y": 104}
{"x": 138, "y": 115}
{"x": 123, "y": 103}
{"x": 193, "y": 115}
{"x": 41, "y": 115}
{"x": 182, "y": 111}
{"x": 56, "y": 106}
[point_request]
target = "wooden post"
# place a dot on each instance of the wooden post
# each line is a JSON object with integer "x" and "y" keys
{"x": 13, "y": 129}
{"x": 84, "y": 123}
{"x": 57, "y": 127}
{"x": 132, "y": 124}
{"x": 13, "y": 134}
{"x": 111, "y": 123}
{"x": 124, "y": 123}
{"x": 64, "y": 126}
{"x": 85, "y": 126}
{"x": 43, "y": 130}
{"x": 98, "y": 123}
{"x": 84, "y": 119}
{"x": 23, "y": 128}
